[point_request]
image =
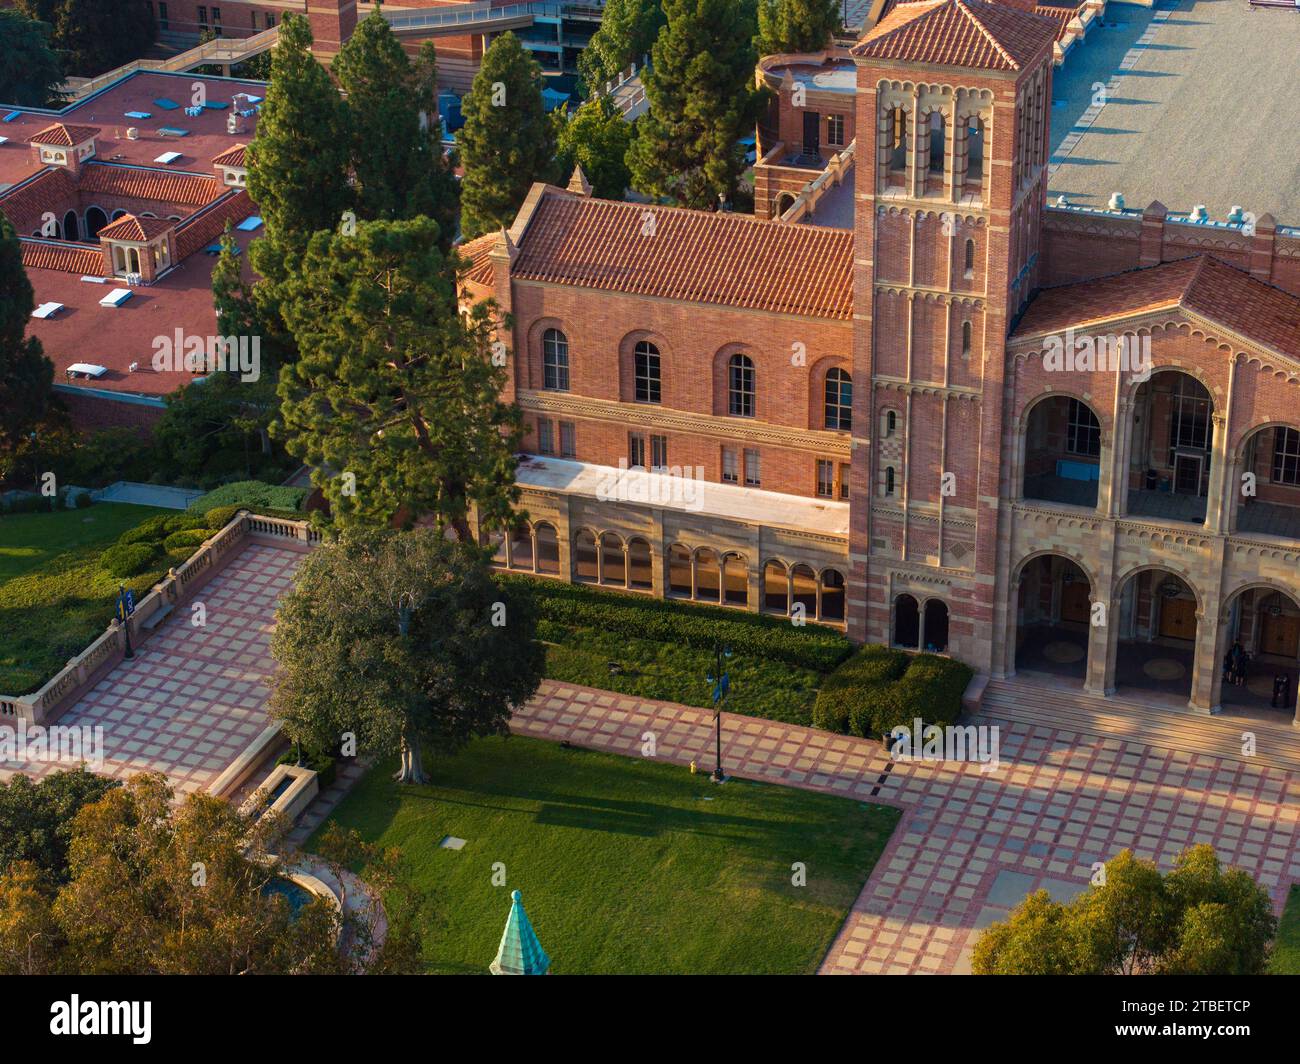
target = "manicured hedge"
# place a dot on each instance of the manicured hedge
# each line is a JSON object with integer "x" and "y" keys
{"x": 699, "y": 627}
{"x": 879, "y": 688}
{"x": 843, "y": 692}
{"x": 252, "y": 495}
{"x": 186, "y": 537}
{"x": 128, "y": 559}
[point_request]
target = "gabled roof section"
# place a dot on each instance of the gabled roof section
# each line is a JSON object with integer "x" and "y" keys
{"x": 63, "y": 256}
{"x": 143, "y": 182}
{"x": 476, "y": 252}
{"x": 61, "y": 135}
{"x": 959, "y": 33}
{"x": 232, "y": 156}
{"x": 206, "y": 226}
{"x": 1202, "y": 285}
{"x": 687, "y": 255}
{"x": 129, "y": 227}
{"x": 52, "y": 189}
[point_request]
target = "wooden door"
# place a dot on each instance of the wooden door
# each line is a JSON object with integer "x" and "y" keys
{"x": 812, "y": 132}
{"x": 1075, "y": 602}
{"x": 1178, "y": 618}
{"x": 1280, "y": 636}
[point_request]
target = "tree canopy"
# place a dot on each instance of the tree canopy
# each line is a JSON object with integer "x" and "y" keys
{"x": 395, "y": 400}
{"x": 36, "y": 818}
{"x": 508, "y": 140}
{"x": 405, "y": 641}
{"x": 95, "y": 36}
{"x": 31, "y": 73}
{"x": 26, "y": 375}
{"x": 1197, "y": 920}
{"x": 796, "y": 25}
{"x": 627, "y": 30}
{"x": 597, "y": 138}
{"x": 702, "y": 101}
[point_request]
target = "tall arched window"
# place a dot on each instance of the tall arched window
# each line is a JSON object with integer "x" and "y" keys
{"x": 938, "y": 142}
{"x": 555, "y": 360}
{"x": 965, "y": 337}
{"x": 888, "y": 485}
{"x": 839, "y": 400}
{"x": 740, "y": 386}
{"x": 968, "y": 264}
{"x": 646, "y": 366}
{"x": 975, "y": 149}
{"x": 897, "y": 139}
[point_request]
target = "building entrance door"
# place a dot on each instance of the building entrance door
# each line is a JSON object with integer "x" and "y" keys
{"x": 1178, "y": 618}
{"x": 812, "y": 133}
{"x": 1280, "y": 636}
{"x": 1075, "y": 604}
{"x": 1187, "y": 473}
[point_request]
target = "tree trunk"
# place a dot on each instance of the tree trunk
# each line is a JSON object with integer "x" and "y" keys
{"x": 412, "y": 766}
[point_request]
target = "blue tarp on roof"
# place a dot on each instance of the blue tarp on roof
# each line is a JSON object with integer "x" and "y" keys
{"x": 166, "y": 104}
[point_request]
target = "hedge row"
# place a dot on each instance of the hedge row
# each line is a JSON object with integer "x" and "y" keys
{"x": 880, "y": 688}
{"x": 699, "y": 627}
{"x": 252, "y": 495}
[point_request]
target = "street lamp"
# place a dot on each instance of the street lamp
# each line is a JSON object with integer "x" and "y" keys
{"x": 720, "y": 681}
{"x": 125, "y": 607}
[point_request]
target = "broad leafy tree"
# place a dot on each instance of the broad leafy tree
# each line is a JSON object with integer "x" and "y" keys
{"x": 405, "y": 641}
{"x": 1197, "y": 920}
{"x": 627, "y": 30}
{"x": 26, "y": 375}
{"x": 31, "y": 73}
{"x": 597, "y": 138}
{"x": 796, "y": 25}
{"x": 508, "y": 140}
{"x": 702, "y": 101}
{"x": 395, "y": 399}
{"x": 95, "y": 35}
{"x": 396, "y": 138}
{"x": 36, "y": 818}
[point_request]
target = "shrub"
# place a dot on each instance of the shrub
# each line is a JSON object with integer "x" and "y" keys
{"x": 128, "y": 559}
{"x": 930, "y": 689}
{"x": 151, "y": 530}
{"x": 219, "y": 516}
{"x": 186, "y": 538}
{"x": 251, "y": 494}
{"x": 324, "y": 765}
{"x": 698, "y": 627}
{"x": 843, "y": 694}
{"x": 83, "y": 500}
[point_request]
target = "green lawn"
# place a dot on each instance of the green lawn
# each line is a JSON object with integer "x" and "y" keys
{"x": 54, "y": 598}
{"x": 1286, "y": 947}
{"x": 626, "y": 865}
{"x": 676, "y": 673}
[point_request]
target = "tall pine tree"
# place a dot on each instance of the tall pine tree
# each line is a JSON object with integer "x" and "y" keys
{"x": 796, "y": 25}
{"x": 395, "y": 137}
{"x": 702, "y": 101}
{"x": 395, "y": 400}
{"x": 31, "y": 73}
{"x": 95, "y": 35}
{"x": 508, "y": 140}
{"x": 26, "y": 375}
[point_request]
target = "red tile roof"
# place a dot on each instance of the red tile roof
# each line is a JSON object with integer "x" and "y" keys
{"x": 53, "y": 189}
{"x": 61, "y": 135}
{"x": 231, "y": 156}
{"x": 476, "y": 254}
{"x": 64, "y": 256}
{"x": 140, "y": 182}
{"x": 206, "y": 227}
{"x": 129, "y": 227}
{"x": 1202, "y": 284}
{"x": 961, "y": 33}
{"x": 688, "y": 255}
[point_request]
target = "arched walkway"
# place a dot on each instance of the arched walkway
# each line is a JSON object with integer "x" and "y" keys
{"x": 1171, "y": 444}
{"x": 1062, "y": 461}
{"x": 906, "y": 629}
{"x": 1264, "y": 485}
{"x": 1052, "y": 612}
{"x": 935, "y": 628}
{"x": 1258, "y": 651}
{"x": 1153, "y": 621}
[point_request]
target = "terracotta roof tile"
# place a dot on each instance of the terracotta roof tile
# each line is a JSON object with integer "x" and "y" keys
{"x": 692, "y": 256}
{"x": 64, "y": 256}
{"x": 961, "y": 33}
{"x": 142, "y": 182}
{"x": 53, "y": 189}
{"x": 1202, "y": 284}
{"x": 231, "y": 156}
{"x": 206, "y": 227}
{"x": 129, "y": 227}
{"x": 61, "y": 135}
{"x": 476, "y": 252}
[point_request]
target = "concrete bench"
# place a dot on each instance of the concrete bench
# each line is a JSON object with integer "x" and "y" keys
{"x": 158, "y": 618}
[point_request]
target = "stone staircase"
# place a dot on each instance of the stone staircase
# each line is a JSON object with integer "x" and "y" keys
{"x": 1065, "y": 707}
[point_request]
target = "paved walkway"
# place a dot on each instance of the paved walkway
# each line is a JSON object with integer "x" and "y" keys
{"x": 970, "y": 845}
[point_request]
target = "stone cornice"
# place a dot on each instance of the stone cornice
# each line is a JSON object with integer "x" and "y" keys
{"x": 655, "y": 417}
{"x": 894, "y": 384}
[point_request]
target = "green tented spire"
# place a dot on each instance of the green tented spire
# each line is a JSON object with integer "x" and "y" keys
{"x": 520, "y": 952}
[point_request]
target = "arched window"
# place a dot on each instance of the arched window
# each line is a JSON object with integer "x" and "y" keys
{"x": 735, "y": 580}
{"x": 965, "y": 338}
{"x": 839, "y": 400}
{"x": 805, "y": 589}
{"x": 832, "y": 595}
{"x": 95, "y": 221}
{"x": 555, "y": 360}
{"x": 888, "y": 486}
{"x": 968, "y": 264}
{"x": 708, "y": 576}
{"x": 70, "y": 228}
{"x": 740, "y": 386}
{"x": 521, "y": 548}
{"x": 679, "y": 570}
{"x": 133, "y": 260}
{"x": 647, "y": 369}
{"x": 548, "y": 548}
{"x": 907, "y": 622}
{"x": 938, "y": 142}
{"x": 613, "y": 563}
{"x": 776, "y": 588}
{"x": 897, "y": 139}
{"x": 584, "y": 557}
{"x": 888, "y": 422}
{"x": 640, "y": 572}
{"x": 119, "y": 213}
{"x": 936, "y": 626}
{"x": 975, "y": 149}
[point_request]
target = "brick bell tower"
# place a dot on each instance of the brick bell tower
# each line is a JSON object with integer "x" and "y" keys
{"x": 332, "y": 23}
{"x": 954, "y": 100}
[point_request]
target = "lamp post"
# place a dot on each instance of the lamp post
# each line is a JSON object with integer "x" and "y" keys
{"x": 124, "y": 610}
{"x": 720, "y": 681}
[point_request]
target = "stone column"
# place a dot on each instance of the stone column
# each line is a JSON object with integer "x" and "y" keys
{"x": 1217, "y": 501}
{"x": 1112, "y": 488}
{"x": 1206, "y": 674}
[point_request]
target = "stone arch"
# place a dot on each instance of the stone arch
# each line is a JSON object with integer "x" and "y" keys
{"x": 905, "y": 621}
{"x": 735, "y": 579}
{"x": 95, "y": 220}
{"x": 586, "y": 556}
{"x": 546, "y": 548}
{"x": 776, "y": 586}
{"x": 640, "y": 563}
{"x": 681, "y": 570}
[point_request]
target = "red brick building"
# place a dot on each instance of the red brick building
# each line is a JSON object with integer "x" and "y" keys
{"x": 966, "y": 421}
